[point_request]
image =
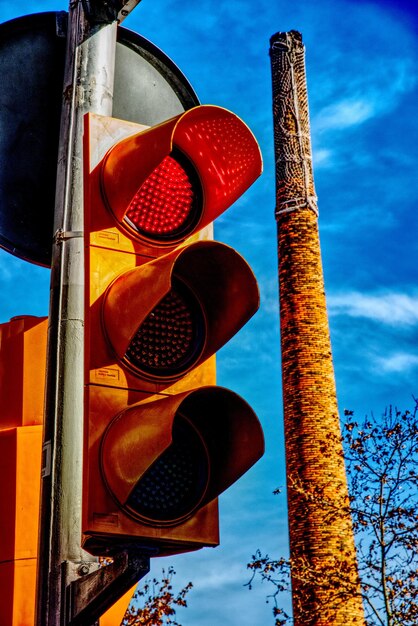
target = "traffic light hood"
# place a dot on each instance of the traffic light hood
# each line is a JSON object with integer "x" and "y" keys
{"x": 215, "y": 159}
{"x": 218, "y": 288}
{"x": 226, "y": 441}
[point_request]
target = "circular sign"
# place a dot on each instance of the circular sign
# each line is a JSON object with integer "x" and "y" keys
{"x": 149, "y": 89}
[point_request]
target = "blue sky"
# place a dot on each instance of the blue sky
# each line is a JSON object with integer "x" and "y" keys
{"x": 362, "y": 73}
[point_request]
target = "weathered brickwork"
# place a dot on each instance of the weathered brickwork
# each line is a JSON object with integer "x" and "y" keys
{"x": 324, "y": 571}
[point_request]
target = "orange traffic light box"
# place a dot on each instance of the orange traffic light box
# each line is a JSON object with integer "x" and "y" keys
{"x": 162, "y": 441}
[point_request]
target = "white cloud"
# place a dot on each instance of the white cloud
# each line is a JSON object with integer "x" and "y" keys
{"x": 348, "y": 112}
{"x": 370, "y": 97}
{"x": 352, "y": 88}
{"x": 322, "y": 157}
{"x": 396, "y": 363}
{"x": 393, "y": 309}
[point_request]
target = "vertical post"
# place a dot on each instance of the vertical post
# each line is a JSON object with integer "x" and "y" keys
{"x": 325, "y": 587}
{"x": 88, "y": 86}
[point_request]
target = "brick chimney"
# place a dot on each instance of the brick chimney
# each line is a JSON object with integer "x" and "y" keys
{"x": 325, "y": 587}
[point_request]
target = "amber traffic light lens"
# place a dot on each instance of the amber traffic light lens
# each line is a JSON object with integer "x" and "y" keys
{"x": 176, "y": 482}
{"x": 168, "y": 204}
{"x": 171, "y": 338}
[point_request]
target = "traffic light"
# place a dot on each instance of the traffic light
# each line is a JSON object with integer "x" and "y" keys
{"x": 162, "y": 440}
{"x": 23, "y": 347}
{"x": 22, "y": 343}
{"x": 22, "y": 378}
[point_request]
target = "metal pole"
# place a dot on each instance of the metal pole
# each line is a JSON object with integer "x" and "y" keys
{"x": 88, "y": 86}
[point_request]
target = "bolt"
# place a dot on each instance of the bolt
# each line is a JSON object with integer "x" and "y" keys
{"x": 83, "y": 569}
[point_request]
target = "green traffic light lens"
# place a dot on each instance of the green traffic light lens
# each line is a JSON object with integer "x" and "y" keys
{"x": 171, "y": 338}
{"x": 176, "y": 482}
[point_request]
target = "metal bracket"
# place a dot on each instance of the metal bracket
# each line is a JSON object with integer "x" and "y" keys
{"x": 128, "y": 6}
{"x": 102, "y": 12}
{"x": 88, "y": 597}
{"x": 62, "y": 235}
{"x": 46, "y": 459}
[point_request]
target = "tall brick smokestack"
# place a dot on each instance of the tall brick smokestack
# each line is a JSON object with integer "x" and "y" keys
{"x": 325, "y": 586}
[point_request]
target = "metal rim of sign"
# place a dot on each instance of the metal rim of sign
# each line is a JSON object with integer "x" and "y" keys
{"x": 149, "y": 88}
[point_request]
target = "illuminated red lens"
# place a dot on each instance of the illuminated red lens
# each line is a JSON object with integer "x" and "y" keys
{"x": 171, "y": 338}
{"x": 164, "y": 205}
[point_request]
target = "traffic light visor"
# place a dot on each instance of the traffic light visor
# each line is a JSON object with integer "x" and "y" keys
{"x": 162, "y": 460}
{"x": 165, "y": 317}
{"x": 165, "y": 182}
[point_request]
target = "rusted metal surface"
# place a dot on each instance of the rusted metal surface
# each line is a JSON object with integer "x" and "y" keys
{"x": 89, "y": 597}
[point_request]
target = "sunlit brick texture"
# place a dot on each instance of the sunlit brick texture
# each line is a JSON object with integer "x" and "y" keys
{"x": 325, "y": 586}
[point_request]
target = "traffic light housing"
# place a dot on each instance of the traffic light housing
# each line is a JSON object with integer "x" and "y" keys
{"x": 22, "y": 374}
{"x": 23, "y": 348}
{"x": 162, "y": 441}
{"x": 22, "y": 343}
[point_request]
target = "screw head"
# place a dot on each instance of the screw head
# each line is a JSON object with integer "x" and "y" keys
{"x": 83, "y": 569}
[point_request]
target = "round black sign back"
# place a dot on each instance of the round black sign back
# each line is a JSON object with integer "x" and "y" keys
{"x": 149, "y": 88}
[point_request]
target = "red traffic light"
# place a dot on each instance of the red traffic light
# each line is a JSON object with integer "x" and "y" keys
{"x": 164, "y": 183}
